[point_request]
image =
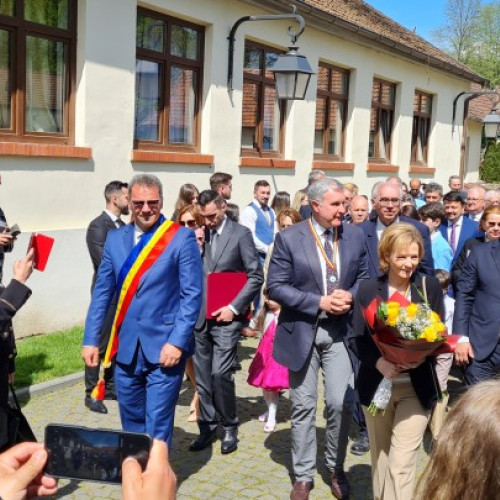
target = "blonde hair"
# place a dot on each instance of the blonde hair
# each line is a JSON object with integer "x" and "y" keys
{"x": 466, "y": 461}
{"x": 299, "y": 197}
{"x": 492, "y": 209}
{"x": 397, "y": 236}
{"x": 353, "y": 188}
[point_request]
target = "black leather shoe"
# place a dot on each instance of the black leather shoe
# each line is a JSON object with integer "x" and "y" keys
{"x": 360, "y": 446}
{"x": 95, "y": 405}
{"x": 204, "y": 440}
{"x": 110, "y": 396}
{"x": 229, "y": 441}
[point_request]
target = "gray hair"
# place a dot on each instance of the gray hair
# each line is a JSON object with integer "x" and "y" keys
{"x": 379, "y": 185}
{"x": 315, "y": 176}
{"x": 317, "y": 190}
{"x": 478, "y": 187}
{"x": 433, "y": 186}
{"x": 453, "y": 177}
{"x": 148, "y": 180}
{"x": 492, "y": 193}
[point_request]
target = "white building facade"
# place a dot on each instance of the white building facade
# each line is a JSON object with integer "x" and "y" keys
{"x": 97, "y": 90}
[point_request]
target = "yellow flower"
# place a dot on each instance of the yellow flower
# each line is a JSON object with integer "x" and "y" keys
{"x": 435, "y": 317}
{"x": 429, "y": 334}
{"x": 440, "y": 327}
{"x": 392, "y": 313}
{"x": 412, "y": 310}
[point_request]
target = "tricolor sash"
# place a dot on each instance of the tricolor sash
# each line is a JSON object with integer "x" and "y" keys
{"x": 141, "y": 258}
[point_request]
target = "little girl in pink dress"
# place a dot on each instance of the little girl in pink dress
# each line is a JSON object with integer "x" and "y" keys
{"x": 265, "y": 372}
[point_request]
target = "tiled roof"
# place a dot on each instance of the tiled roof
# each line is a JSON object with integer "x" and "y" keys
{"x": 358, "y": 16}
{"x": 482, "y": 105}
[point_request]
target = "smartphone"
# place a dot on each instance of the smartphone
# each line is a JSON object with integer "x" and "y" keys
{"x": 87, "y": 454}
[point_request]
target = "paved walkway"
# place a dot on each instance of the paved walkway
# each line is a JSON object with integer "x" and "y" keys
{"x": 259, "y": 469}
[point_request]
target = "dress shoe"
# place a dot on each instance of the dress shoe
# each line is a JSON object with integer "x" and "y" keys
{"x": 204, "y": 440}
{"x": 95, "y": 405}
{"x": 248, "y": 332}
{"x": 110, "y": 395}
{"x": 340, "y": 484}
{"x": 229, "y": 441}
{"x": 301, "y": 489}
{"x": 360, "y": 446}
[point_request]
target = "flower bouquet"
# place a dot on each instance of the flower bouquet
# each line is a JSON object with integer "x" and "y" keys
{"x": 405, "y": 333}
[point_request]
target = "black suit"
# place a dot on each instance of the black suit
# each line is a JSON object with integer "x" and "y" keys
{"x": 370, "y": 229}
{"x": 96, "y": 237}
{"x": 456, "y": 271}
{"x": 423, "y": 378}
{"x": 216, "y": 343}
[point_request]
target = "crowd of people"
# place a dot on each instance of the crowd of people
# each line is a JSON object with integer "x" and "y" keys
{"x": 172, "y": 297}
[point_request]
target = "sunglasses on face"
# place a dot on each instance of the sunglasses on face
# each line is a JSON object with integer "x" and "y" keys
{"x": 189, "y": 223}
{"x": 138, "y": 205}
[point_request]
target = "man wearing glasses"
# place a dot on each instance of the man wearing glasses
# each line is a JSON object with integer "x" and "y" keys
{"x": 154, "y": 267}
{"x": 387, "y": 203}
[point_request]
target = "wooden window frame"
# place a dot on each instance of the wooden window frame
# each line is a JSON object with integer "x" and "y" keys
{"x": 168, "y": 60}
{"x": 418, "y": 117}
{"x": 330, "y": 96}
{"x": 378, "y": 106}
{"x": 262, "y": 81}
{"x": 21, "y": 29}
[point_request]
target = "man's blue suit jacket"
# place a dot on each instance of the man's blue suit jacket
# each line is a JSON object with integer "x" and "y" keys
{"x": 370, "y": 229}
{"x": 478, "y": 299}
{"x": 166, "y": 303}
{"x": 469, "y": 230}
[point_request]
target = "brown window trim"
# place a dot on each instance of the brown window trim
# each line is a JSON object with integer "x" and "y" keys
{"x": 141, "y": 155}
{"x": 379, "y": 106}
{"x": 168, "y": 60}
{"x": 421, "y": 115}
{"x": 332, "y": 165}
{"x": 20, "y": 29}
{"x": 381, "y": 167}
{"x": 331, "y": 96}
{"x": 258, "y": 162}
{"x": 262, "y": 81}
{"x": 44, "y": 150}
{"x": 415, "y": 169}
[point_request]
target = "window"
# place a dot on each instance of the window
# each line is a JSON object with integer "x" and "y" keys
{"x": 167, "y": 82}
{"x": 381, "y": 120}
{"x": 422, "y": 109}
{"x": 331, "y": 112}
{"x": 37, "y": 68}
{"x": 263, "y": 114}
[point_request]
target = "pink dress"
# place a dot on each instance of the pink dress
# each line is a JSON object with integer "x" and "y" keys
{"x": 264, "y": 371}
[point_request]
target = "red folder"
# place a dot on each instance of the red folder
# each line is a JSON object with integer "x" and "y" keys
{"x": 222, "y": 289}
{"x": 42, "y": 246}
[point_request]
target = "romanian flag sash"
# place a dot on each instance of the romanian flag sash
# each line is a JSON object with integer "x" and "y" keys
{"x": 141, "y": 258}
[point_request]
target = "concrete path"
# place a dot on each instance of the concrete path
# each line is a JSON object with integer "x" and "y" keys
{"x": 259, "y": 469}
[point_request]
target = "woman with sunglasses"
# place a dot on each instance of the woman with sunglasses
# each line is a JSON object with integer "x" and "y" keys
{"x": 188, "y": 216}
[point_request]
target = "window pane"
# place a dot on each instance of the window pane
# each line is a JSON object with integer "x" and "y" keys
{"x": 250, "y": 114}
{"x": 147, "y": 100}
{"x": 373, "y": 130}
{"x": 46, "y": 87}
{"x": 376, "y": 92}
{"x": 5, "y": 80}
{"x": 384, "y": 133}
{"x": 339, "y": 83}
{"x": 271, "y": 122}
{"x": 182, "y": 105}
{"x": 52, "y": 13}
{"x": 320, "y": 124}
{"x": 322, "y": 78}
{"x": 253, "y": 60}
{"x": 271, "y": 58}
{"x": 416, "y": 103}
{"x": 7, "y": 7}
{"x": 150, "y": 33}
{"x": 335, "y": 128}
{"x": 387, "y": 95}
{"x": 426, "y": 104}
{"x": 185, "y": 42}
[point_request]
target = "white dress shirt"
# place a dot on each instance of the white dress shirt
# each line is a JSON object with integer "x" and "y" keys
{"x": 248, "y": 218}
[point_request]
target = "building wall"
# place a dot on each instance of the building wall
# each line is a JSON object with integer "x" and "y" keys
{"x": 473, "y": 151}
{"x": 60, "y": 196}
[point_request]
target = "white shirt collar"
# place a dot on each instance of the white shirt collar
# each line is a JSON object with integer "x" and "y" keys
{"x": 320, "y": 230}
{"x": 458, "y": 223}
{"x": 112, "y": 216}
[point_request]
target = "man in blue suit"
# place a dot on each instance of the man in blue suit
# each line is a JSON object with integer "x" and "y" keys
{"x": 476, "y": 314}
{"x": 314, "y": 274}
{"x": 156, "y": 334}
{"x": 457, "y": 229}
{"x": 386, "y": 204}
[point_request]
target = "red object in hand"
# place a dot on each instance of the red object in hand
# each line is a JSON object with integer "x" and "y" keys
{"x": 42, "y": 246}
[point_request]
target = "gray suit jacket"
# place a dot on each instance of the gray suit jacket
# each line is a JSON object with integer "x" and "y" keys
{"x": 295, "y": 281}
{"x": 235, "y": 252}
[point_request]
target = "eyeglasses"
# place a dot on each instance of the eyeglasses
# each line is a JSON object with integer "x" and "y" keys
{"x": 138, "y": 205}
{"x": 493, "y": 224}
{"x": 475, "y": 199}
{"x": 189, "y": 223}
{"x": 389, "y": 201}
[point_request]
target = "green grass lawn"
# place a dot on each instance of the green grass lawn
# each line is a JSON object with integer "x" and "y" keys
{"x": 48, "y": 356}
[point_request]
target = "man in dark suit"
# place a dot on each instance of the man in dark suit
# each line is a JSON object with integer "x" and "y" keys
{"x": 387, "y": 203}
{"x": 457, "y": 229}
{"x": 314, "y": 176}
{"x": 230, "y": 248}
{"x": 314, "y": 273}
{"x": 116, "y": 196}
{"x": 476, "y": 314}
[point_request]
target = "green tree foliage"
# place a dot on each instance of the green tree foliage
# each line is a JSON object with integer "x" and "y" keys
{"x": 471, "y": 35}
{"x": 490, "y": 168}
